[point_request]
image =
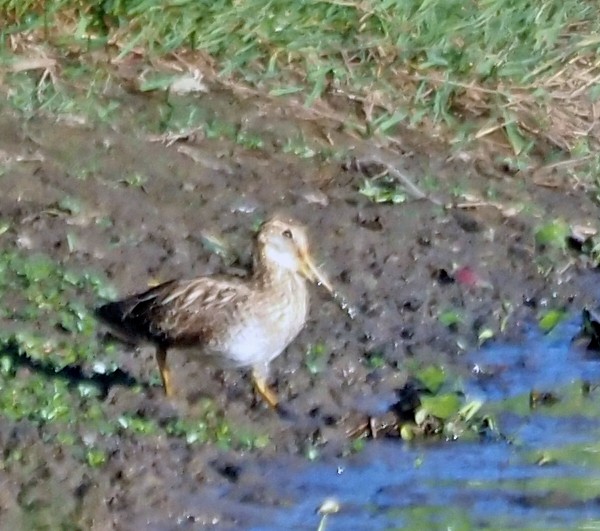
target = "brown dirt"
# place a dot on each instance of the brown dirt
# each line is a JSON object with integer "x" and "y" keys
{"x": 393, "y": 262}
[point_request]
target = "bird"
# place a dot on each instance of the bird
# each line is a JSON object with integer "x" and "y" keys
{"x": 233, "y": 321}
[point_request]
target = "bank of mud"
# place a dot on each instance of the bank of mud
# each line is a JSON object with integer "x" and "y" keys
{"x": 148, "y": 211}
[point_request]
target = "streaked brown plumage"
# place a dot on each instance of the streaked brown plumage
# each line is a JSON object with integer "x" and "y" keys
{"x": 237, "y": 322}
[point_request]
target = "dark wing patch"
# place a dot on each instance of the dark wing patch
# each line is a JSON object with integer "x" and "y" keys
{"x": 133, "y": 316}
{"x": 177, "y": 313}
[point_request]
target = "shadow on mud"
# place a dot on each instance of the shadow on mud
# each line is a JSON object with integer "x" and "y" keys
{"x": 74, "y": 375}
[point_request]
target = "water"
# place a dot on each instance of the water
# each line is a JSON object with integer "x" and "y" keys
{"x": 543, "y": 473}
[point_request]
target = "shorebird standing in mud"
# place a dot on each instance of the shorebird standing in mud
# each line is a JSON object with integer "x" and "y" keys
{"x": 235, "y": 322}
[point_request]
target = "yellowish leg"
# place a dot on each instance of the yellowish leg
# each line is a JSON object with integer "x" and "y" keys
{"x": 260, "y": 382}
{"x": 165, "y": 373}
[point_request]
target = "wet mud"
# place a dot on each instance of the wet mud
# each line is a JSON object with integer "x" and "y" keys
{"x": 149, "y": 211}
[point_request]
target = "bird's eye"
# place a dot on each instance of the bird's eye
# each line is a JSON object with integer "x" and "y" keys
{"x": 287, "y": 233}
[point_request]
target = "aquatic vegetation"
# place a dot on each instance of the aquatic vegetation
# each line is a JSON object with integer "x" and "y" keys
{"x": 441, "y": 409}
{"x": 45, "y": 315}
{"x": 429, "y": 406}
{"x": 56, "y": 369}
{"x": 550, "y": 319}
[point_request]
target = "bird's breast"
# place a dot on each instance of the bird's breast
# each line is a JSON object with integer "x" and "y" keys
{"x": 267, "y": 326}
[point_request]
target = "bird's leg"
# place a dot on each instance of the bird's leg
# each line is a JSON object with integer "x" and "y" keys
{"x": 165, "y": 373}
{"x": 259, "y": 378}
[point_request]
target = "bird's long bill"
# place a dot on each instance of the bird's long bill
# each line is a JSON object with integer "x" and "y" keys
{"x": 310, "y": 271}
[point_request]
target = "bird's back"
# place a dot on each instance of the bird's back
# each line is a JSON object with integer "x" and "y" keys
{"x": 180, "y": 313}
{"x": 134, "y": 318}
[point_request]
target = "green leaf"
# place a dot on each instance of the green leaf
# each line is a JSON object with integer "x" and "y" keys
{"x": 469, "y": 410}
{"x": 550, "y": 319}
{"x": 4, "y": 226}
{"x": 441, "y": 406}
{"x": 553, "y": 234}
{"x": 432, "y": 377}
{"x": 95, "y": 457}
{"x": 315, "y": 358}
{"x": 37, "y": 269}
{"x": 157, "y": 82}
{"x": 382, "y": 192}
{"x": 284, "y": 91}
{"x": 406, "y": 432}
{"x": 387, "y": 121}
{"x": 450, "y": 318}
{"x": 375, "y": 359}
{"x": 516, "y": 139}
{"x": 484, "y": 335}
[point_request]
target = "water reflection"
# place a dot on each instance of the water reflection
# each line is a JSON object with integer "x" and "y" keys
{"x": 544, "y": 474}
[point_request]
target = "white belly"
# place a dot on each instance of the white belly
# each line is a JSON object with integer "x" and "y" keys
{"x": 264, "y": 335}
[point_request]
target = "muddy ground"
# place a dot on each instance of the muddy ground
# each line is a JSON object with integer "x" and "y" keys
{"x": 148, "y": 210}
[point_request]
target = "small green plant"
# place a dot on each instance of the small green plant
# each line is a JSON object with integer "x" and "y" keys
{"x": 451, "y": 318}
{"x": 315, "y": 358}
{"x": 136, "y": 180}
{"x": 440, "y": 409}
{"x": 69, "y": 367}
{"x": 95, "y": 457}
{"x": 375, "y": 359}
{"x": 553, "y": 235}
{"x": 249, "y": 140}
{"x": 383, "y": 191}
{"x": 550, "y": 319}
{"x": 137, "y": 424}
{"x": 297, "y": 145}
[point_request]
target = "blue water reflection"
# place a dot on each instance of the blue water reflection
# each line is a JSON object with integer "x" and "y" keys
{"x": 497, "y": 484}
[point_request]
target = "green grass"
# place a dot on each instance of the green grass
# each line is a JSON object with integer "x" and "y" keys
{"x": 77, "y": 95}
{"x": 474, "y": 67}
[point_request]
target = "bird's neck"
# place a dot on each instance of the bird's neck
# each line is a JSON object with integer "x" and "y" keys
{"x": 268, "y": 274}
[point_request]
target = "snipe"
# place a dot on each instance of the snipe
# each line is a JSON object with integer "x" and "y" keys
{"x": 237, "y": 322}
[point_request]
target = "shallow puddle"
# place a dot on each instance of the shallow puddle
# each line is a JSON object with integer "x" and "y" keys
{"x": 543, "y": 473}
